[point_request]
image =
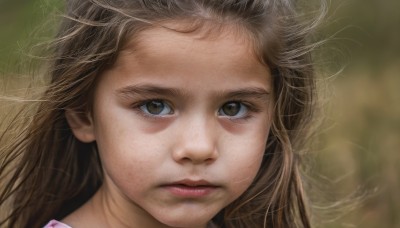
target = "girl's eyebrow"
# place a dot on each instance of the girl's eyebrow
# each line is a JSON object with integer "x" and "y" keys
{"x": 247, "y": 92}
{"x": 148, "y": 89}
{"x": 154, "y": 90}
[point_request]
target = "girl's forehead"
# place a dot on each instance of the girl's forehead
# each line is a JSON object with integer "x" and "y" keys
{"x": 203, "y": 40}
{"x": 162, "y": 54}
{"x": 190, "y": 33}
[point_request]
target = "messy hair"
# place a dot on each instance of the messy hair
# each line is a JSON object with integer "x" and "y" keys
{"x": 46, "y": 173}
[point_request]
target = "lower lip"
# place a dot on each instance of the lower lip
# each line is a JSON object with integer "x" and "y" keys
{"x": 190, "y": 191}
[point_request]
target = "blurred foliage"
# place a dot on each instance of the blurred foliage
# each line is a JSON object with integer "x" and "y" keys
{"x": 23, "y": 23}
{"x": 360, "y": 140}
{"x": 358, "y": 149}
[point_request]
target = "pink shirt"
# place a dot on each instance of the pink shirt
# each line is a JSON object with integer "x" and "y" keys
{"x": 56, "y": 224}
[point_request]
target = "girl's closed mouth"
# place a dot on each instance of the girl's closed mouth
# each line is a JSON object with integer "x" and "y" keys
{"x": 190, "y": 188}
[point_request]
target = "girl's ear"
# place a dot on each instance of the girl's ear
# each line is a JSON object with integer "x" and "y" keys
{"x": 81, "y": 125}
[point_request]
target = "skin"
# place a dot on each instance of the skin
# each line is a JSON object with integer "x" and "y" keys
{"x": 195, "y": 137}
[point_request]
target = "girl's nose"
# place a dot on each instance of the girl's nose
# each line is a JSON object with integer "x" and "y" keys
{"x": 196, "y": 142}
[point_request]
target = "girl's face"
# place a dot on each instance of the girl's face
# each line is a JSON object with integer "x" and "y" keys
{"x": 181, "y": 123}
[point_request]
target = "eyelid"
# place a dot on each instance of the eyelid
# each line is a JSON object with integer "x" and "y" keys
{"x": 137, "y": 107}
{"x": 251, "y": 109}
{"x": 250, "y": 105}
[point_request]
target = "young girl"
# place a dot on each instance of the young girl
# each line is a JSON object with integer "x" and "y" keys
{"x": 167, "y": 113}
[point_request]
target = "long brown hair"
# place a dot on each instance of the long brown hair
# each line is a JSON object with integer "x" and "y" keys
{"x": 46, "y": 173}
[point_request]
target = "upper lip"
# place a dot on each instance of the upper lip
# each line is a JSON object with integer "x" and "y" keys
{"x": 193, "y": 183}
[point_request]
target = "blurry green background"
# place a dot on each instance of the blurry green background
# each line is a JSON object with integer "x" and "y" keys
{"x": 358, "y": 148}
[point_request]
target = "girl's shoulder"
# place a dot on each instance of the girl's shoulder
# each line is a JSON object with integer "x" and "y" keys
{"x": 56, "y": 224}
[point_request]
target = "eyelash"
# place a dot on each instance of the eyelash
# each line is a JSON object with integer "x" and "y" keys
{"x": 138, "y": 106}
{"x": 251, "y": 108}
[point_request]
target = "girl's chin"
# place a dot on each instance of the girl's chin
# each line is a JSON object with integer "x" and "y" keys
{"x": 188, "y": 221}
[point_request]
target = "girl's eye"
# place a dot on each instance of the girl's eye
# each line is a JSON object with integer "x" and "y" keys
{"x": 156, "y": 108}
{"x": 233, "y": 109}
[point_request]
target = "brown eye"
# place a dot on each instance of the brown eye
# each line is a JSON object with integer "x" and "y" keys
{"x": 156, "y": 107}
{"x": 233, "y": 109}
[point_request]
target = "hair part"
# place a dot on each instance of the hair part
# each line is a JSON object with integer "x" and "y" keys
{"x": 54, "y": 173}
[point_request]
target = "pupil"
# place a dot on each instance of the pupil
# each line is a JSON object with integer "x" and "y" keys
{"x": 231, "y": 109}
{"x": 155, "y": 107}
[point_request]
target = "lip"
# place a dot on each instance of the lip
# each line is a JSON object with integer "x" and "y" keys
{"x": 191, "y": 188}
